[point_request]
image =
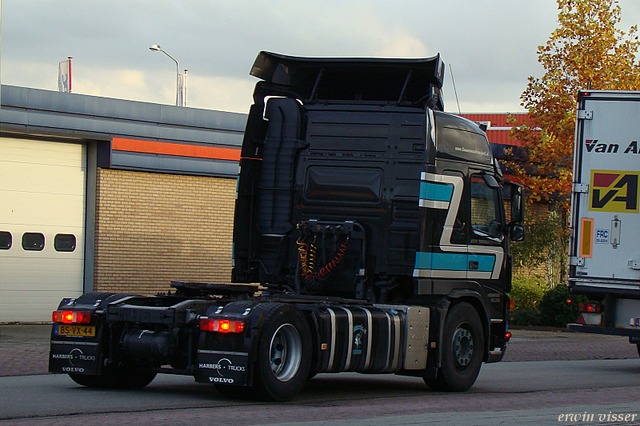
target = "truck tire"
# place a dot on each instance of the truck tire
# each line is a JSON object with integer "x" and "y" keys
{"x": 462, "y": 350}
{"x": 117, "y": 377}
{"x": 284, "y": 353}
{"x": 85, "y": 380}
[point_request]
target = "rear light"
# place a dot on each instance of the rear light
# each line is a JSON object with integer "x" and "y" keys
{"x": 221, "y": 325}
{"x": 507, "y": 336}
{"x": 593, "y": 308}
{"x": 512, "y": 304}
{"x": 71, "y": 317}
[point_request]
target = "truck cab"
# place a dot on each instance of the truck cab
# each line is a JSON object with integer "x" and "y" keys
{"x": 354, "y": 183}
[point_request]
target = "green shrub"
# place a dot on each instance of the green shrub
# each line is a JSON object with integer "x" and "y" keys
{"x": 527, "y": 292}
{"x": 555, "y": 310}
{"x": 525, "y": 317}
{"x": 545, "y": 245}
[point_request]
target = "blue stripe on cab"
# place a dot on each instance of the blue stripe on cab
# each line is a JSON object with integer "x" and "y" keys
{"x": 485, "y": 262}
{"x": 435, "y": 192}
{"x": 454, "y": 261}
{"x": 441, "y": 261}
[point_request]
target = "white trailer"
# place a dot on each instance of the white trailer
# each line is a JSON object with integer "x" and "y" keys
{"x": 604, "y": 248}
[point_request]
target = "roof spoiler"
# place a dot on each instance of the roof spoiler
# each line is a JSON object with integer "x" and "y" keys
{"x": 399, "y": 81}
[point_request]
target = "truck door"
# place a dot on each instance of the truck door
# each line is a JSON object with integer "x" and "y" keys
{"x": 468, "y": 211}
{"x": 487, "y": 222}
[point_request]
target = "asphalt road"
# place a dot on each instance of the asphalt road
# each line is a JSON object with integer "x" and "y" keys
{"x": 532, "y": 392}
{"x": 547, "y": 374}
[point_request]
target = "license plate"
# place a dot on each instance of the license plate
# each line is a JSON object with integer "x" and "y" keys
{"x": 76, "y": 330}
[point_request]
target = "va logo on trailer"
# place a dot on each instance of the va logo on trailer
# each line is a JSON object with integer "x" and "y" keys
{"x": 614, "y": 191}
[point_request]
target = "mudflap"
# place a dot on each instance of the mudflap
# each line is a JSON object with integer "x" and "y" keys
{"x": 74, "y": 357}
{"x": 230, "y": 368}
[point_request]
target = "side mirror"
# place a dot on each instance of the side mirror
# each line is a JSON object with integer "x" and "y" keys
{"x": 517, "y": 203}
{"x": 516, "y": 232}
{"x": 490, "y": 181}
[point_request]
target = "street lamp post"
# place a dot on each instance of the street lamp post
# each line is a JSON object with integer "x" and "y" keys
{"x": 157, "y": 48}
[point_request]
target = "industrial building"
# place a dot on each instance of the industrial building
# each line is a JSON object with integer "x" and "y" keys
{"x": 100, "y": 194}
{"x": 110, "y": 195}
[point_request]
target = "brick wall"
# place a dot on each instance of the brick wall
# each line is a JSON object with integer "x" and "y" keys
{"x": 152, "y": 228}
{"x": 537, "y": 211}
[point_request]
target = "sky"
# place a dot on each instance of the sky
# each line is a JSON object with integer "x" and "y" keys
{"x": 489, "y": 45}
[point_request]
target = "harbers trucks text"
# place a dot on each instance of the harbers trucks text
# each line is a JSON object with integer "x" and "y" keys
{"x": 605, "y": 220}
{"x": 375, "y": 224}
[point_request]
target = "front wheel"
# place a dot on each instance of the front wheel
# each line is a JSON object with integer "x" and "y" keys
{"x": 462, "y": 350}
{"x": 284, "y": 353}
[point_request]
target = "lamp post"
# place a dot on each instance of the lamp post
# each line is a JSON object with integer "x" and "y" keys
{"x": 157, "y": 48}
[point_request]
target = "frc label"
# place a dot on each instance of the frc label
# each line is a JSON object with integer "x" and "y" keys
{"x": 614, "y": 191}
{"x": 602, "y": 236}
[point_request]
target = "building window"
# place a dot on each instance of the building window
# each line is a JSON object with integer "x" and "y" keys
{"x": 33, "y": 241}
{"x": 5, "y": 240}
{"x": 64, "y": 242}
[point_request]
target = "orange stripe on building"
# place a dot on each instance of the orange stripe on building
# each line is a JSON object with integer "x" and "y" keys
{"x": 502, "y": 137}
{"x": 177, "y": 149}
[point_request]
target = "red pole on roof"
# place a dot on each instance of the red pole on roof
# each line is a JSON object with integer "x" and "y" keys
{"x": 70, "y": 79}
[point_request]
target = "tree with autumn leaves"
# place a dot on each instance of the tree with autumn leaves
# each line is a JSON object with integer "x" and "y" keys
{"x": 586, "y": 52}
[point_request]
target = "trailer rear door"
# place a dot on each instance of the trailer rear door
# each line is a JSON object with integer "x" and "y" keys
{"x": 605, "y": 239}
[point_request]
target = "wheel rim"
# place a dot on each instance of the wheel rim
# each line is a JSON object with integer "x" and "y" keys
{"x": 462, "y": 346}
{"x": 285, "y": 352}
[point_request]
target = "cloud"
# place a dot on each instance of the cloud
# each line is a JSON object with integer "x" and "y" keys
{"x": 118, "y": 83}
{"x": 30, "y": 74}
{"x": 221, "y": 93}
{"x": 491, "y": 45}
{"x": 403, "y": 45}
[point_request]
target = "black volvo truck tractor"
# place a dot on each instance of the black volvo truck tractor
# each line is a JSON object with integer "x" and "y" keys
{"x": 370, "y": 235}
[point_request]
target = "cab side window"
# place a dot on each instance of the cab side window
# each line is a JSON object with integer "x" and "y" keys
{"x": 486, "y": 220}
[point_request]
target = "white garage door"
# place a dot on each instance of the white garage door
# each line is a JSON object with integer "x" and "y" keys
{"x": 42, "y": 208}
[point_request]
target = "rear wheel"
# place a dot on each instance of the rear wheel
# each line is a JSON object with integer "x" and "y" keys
{"x": 284, "y": 353}
{"x": 462, "y": 350}
{"x": 87, "y": 381}
{"x": 638, "y": 346}
{"x": 117, "y": 377}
